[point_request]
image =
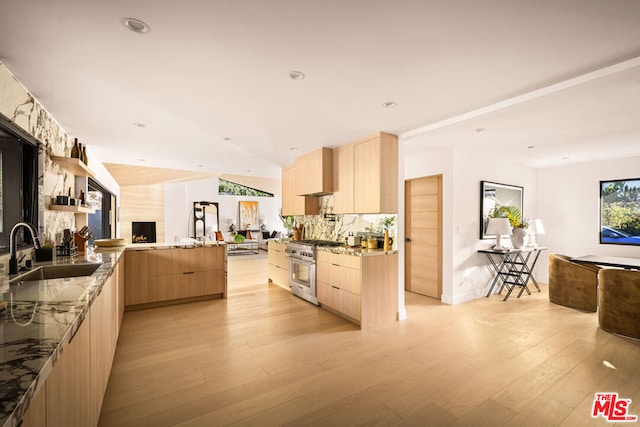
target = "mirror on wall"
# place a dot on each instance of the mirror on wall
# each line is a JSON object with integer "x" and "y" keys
{"x": 492, "y": 195}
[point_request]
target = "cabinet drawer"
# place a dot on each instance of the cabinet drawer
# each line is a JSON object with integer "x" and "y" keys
{"x": 350, "y": 261}
{"x": 350, "y": 304}
{"x": 339, "y": 300}
{"x": 176, "y": 286}
{"x": 279, "y": 275}
{"x": 328, "y": 295}
{"x": 346, "y": 278}
{"x": 277, "y": 257}
{"x": 342, "y": 277}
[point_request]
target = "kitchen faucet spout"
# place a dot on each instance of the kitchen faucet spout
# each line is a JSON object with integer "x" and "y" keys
{"x": 13, "y": 261}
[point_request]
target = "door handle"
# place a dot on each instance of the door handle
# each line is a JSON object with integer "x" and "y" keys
{"x": 407, "y": 239}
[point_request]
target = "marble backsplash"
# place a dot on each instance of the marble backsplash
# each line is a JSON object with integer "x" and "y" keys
{"x": 23, "y": 110}
{"x": 327, "y": 226}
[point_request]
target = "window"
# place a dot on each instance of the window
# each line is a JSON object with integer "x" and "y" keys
{"x": 620, "y": 212}
{"x": 235, "y": 189}
{"x": 18, "y": 191}
{"x": 102, "y": 222}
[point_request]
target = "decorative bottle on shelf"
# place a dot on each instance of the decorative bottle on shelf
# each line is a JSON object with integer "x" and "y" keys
{"x": 75, "y": 150}
{"x": 83, "y": 156}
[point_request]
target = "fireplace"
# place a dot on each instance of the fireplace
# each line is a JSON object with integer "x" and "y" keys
{"x": 143, "y": 232}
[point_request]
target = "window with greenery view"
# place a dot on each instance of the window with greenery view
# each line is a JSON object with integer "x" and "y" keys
{"x": 620, "y": 212}
{"x": 234, "y": 189}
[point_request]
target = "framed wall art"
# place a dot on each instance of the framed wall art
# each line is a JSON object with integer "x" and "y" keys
{"x": 249, "y": 218}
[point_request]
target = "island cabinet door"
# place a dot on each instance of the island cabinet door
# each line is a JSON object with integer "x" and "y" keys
{"x": 211, "y": 259}
{"x": 186, "y": 285}
{"x": 136, "y": 277}
{"x": 167, "y": 261}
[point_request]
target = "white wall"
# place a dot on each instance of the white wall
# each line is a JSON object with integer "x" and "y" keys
{"x": 569, "y": 206}
{"x": 466, "y": 273}
{"x": 179, "y": 198}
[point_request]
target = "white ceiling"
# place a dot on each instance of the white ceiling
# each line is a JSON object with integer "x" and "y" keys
{"x": 208, "y": 70}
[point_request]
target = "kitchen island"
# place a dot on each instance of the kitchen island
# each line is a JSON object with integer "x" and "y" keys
{"x": 46, "y": 332}
{"x": 162, "y": 274}
{"x": 359, "y": 284}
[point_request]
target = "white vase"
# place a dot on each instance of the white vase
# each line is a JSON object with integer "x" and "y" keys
{"x": 519, "y": 238}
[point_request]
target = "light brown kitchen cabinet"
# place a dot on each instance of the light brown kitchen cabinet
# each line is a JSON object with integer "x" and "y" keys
{"x": 136, "y": 266}
{"x": 121, "y": 291}
{"x": 104, "y": 337}
{"x": 68, "y": 385}
{"x": 74, "y": 390}
{"x": 366, "y": 175}
{"x": 343, "y": 179}
{"x": 278, "y": 264}
{"x": 363, "y": 289}
{"x": 292, "y": 204}
{"x": 376, "y": 174}
{"x": 36, "y": 414}
{"x": 314, "y": 172}
{"x": 165, "y": 275}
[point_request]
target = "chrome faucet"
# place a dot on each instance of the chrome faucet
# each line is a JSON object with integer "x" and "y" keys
{"x": 13, "y": 261}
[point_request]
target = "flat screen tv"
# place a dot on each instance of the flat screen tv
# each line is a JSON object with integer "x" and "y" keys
{"x": 620, "y": 212}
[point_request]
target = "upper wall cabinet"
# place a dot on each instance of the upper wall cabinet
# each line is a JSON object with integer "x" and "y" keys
{"x": 293, "y": 204}
{"x": 314, "y": 173}
{"x": 343, "y": 180}
{"x": 366, "y": 175}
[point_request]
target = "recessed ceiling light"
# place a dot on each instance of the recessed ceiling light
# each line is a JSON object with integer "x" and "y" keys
{"x": 531, "y": 147}
{"x": 296, "y": 75}
{"x": 566, "y": 158}
{"x": 200, "y": 166}
{"x": 141, "y": 160}
{"x": 293, "y": 148}
{"x": 479, "y": 129}
{"x": 227, "y": 138}
{"x": 136, "y": 25}
{"x": 248, "y": 170}
{"x": 389, "y": 104}
{"x": 139, "y": 125}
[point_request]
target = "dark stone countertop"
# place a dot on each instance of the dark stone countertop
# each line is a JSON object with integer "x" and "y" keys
{"x": 40, "y": 319}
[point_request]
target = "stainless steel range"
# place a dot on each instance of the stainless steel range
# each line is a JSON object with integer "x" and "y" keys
{"x": 302, "y": 267}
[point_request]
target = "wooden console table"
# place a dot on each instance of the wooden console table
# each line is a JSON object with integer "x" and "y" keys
{"x": 512, "y": 268}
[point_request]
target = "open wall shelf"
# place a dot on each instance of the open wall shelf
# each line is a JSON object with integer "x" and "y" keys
{"x": 74, "y": 209}
{"x": 75, "y": 166}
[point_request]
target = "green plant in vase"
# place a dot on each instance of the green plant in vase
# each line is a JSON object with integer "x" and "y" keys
{"x": 519, "y": 224}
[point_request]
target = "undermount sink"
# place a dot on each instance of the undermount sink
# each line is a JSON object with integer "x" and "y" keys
{"x": 57, "y": 272}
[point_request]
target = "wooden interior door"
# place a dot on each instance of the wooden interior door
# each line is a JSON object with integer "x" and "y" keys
{"x": 423, "y": 236}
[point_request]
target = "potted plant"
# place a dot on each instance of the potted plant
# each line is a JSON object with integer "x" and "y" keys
{"x": 387, "y": 224}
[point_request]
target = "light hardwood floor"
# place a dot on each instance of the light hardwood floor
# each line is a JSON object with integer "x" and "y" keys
{"x": 265, "y": 357}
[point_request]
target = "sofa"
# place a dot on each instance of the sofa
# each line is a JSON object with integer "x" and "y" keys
{"x": 619, "y": 301}
{"x": 573, "y": 284}
{"x": 264, "y": 237}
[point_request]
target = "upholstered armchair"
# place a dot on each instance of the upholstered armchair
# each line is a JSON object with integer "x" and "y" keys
{"x": 572, "y": 284}
{"x": 619, "y": 301}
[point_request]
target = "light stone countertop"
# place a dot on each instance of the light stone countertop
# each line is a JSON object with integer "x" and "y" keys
{"x": 171, "y": 245}
{"x": 356, "y": 251}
